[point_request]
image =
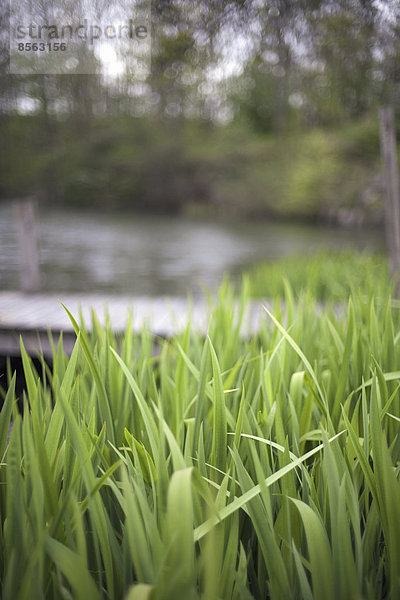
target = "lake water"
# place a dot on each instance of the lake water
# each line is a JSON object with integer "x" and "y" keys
{"x": 149, "y": 255}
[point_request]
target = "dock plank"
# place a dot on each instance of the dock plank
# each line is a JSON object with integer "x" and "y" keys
{"x": 32, "y": 316}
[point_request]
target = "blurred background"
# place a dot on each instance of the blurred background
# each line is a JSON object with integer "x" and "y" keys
{"x": 254, "y": 135}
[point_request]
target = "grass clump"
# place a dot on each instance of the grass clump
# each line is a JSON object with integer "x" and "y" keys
{"x": 217, "y": 467}
{"x": 326, "y": 275}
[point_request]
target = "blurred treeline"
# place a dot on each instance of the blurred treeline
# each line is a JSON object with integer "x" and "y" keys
{"x": 250, "y": 108}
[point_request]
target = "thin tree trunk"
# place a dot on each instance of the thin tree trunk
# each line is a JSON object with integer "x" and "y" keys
{"x": 392, "y": 199}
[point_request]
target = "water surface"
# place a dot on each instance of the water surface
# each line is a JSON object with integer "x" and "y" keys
{"x": 155, "y": 255}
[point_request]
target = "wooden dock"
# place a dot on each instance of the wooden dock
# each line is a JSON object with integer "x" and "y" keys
{"x": 32, "y": 316}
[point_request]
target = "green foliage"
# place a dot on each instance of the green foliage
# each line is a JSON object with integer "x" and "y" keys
{"x": 219, "y": 467}
{"x": 144, "y": 164}
{"x": 327, "y": 276}
{"x": 313, "y": 176}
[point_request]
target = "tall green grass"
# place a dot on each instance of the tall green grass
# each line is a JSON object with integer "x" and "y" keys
{"x": 218, "y": 467}
{"x": 327, "y": 276}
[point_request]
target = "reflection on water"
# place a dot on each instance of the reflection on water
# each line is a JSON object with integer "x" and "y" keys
{"x": 143, "y": 255}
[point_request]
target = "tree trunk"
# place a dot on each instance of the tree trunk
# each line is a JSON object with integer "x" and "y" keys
{"x": 392, "y": 200}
